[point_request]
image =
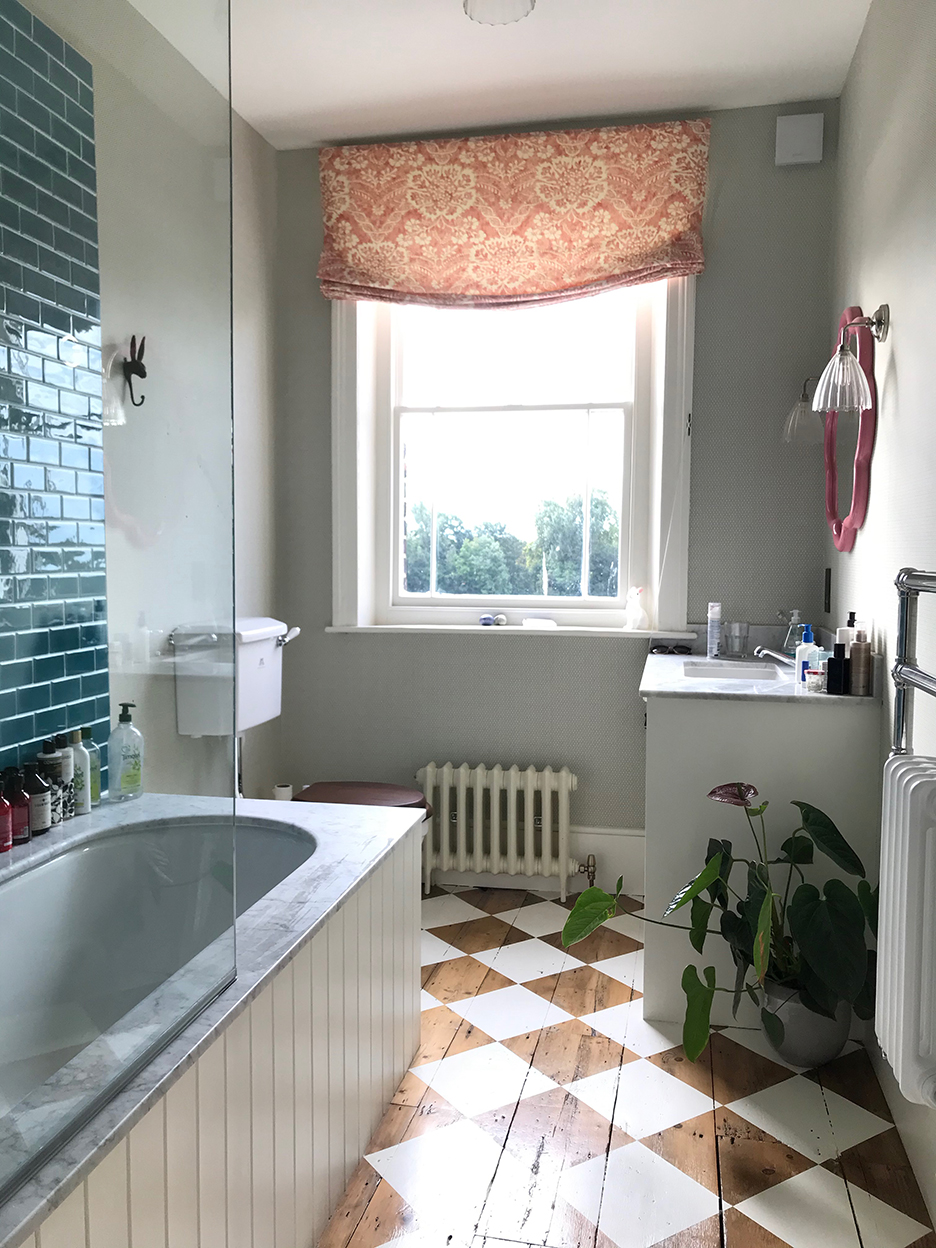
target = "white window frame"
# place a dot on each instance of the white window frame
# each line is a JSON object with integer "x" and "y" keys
{"x": 365, "y": 480}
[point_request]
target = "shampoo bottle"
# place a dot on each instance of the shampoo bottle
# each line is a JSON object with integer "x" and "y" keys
{"x": 713, "y": 638}
{"x": 50, "y": 762}
{"x": 125, "y": 757}
{"x": 807, "y": 654}
{"x": 40, "y": 800}
{"x": 6, "y": 825}
{"x": 68, "y": 775}
{"x": 845, "y": 636}
{"x": 82, "y": 774}
{"x": 87, "y": 740}
{"x": 861, "y": 664}
{"x": 18, "y": 799}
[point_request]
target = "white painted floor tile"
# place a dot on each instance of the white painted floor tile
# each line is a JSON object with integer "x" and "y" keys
{"x": 440, "y": 911}
{"x": 509, "y": 1012}
{"x": 626, "y": 967}
{"x": 645, "y": 1199}
{"x": 808, "y": 1211}
{"x": 444, "y": 1176}
{"x": 540, "y": 920}
{"x": 640, "y": 1098}
{"x": 531, "y": 959}
{"x": 755, "y": 1040}
{"x": 435, "y": 950}
{"x": 426, "y": 1002}
{"x": 628, "y": 925}
{"x": 881, "y": 1224}
{"x": 797, "y": 1111}
{"x": 625, "y": 1024}
{"x": 483, "y": 1079}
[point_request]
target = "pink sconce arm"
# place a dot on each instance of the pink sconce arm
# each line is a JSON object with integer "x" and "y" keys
{"x": 844, "y": 531}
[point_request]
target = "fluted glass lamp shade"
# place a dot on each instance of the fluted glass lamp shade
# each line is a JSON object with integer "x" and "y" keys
{"x": 843, "y": 387}
{"x": 498, "y": 12}
{"x": 803, "y": 424}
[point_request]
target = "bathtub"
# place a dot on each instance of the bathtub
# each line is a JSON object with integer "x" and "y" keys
{"x": 252, "y": 1111}
{"x": 123, "y": 934}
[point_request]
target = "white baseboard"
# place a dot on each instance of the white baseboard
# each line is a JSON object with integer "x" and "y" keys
{"x": 618, "y": 852}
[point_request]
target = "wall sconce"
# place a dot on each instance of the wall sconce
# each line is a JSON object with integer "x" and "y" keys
{"x": 114, "y": 412}
{"x": 803, "y": 424}
{"x": 847, "y": 385}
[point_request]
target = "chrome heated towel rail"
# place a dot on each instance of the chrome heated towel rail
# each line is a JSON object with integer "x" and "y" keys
{"x": 907, "y": 674}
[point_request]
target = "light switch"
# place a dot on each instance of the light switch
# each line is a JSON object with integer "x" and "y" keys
{"x": 799, "y": 139}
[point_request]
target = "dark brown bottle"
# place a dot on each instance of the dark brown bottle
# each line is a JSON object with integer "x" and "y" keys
{"x": 40, "y": 800}
{"x": 19, "y": 802}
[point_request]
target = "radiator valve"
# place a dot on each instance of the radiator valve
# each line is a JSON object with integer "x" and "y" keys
{"x": 590, "y": 868}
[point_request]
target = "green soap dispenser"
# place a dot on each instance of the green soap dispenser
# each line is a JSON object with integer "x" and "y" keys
{"x": 125, "y": 757}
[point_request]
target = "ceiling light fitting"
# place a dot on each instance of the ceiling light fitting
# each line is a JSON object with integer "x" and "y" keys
{"x": 498, "y": 12}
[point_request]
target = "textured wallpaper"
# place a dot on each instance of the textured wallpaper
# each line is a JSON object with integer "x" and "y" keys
{"x": 377, "y": 708}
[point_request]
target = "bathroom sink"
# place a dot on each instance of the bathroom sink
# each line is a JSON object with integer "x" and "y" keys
{"x": 714, "y": 669}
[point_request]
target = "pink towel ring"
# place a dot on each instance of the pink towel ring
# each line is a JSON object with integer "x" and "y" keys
{"x": 845, "y": 531}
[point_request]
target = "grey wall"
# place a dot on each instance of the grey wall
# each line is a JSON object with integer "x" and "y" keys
{"x": 372, "y": 707}
{"x": 887, "y": 253}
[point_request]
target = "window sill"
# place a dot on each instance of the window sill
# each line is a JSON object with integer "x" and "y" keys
{"x": 514, "y": 630}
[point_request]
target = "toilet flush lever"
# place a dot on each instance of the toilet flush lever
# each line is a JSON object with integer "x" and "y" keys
{"x": 290, "y": 636}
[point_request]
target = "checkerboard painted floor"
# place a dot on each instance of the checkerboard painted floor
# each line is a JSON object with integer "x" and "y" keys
{"x": 541, "y": 1109}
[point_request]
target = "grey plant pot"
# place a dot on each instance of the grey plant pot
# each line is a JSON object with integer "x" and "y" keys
{"x": 809, "y": 1039}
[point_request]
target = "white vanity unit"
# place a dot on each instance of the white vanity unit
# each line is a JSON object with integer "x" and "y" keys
{"x": 711, "y": 722}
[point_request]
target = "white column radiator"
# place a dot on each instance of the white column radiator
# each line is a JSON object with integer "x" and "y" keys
{"x": 905, "y": 1020}
{"x": 498, "y": 820}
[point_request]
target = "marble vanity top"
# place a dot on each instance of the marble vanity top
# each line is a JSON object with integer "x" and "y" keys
{"x": 664, "y": 677}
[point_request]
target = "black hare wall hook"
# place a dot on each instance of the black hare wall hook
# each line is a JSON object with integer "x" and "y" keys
{"x": 134, "y": 367}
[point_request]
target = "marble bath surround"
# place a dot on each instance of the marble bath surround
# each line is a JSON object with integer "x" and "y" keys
{"x": 350, "y": 844}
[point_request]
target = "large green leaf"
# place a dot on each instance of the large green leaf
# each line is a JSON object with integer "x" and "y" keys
{"x": 696, "y": 886}
{"x": 718, "y": 890}
{"x": 739, "y": 936}
{"x": 699, "y": 999}
{"x": 829, "y": 839}
{"x": 753, "y": 903}
{"x": 762, "y": 938}
{"x": 830, "y": 934}
{"x": 868, "y": 897}
{"x": 591, "y": 909}
{"x": 798, "y": 849}
{"x": 773, "y": 1025}
{"x": 864, "y": 1003}
{"x": 701, "y": 909}
{"x": 816, "y": 995}
{"x": 740, "y": 976}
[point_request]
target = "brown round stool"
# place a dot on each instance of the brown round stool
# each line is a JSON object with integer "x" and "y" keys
{"x": 363, "y": 793}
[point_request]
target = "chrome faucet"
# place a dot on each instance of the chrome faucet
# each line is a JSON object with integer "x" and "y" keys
{"x": 761, "y": 652}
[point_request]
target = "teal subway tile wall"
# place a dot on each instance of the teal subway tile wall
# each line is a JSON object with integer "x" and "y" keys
{"x": 53, "y": 613}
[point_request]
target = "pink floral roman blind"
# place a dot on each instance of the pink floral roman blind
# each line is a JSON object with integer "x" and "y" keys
{"x": 513, "y": 218}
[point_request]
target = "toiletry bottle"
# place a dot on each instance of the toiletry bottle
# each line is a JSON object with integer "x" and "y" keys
{"x": 87, "y": 740}
{"x": 807, "y": 654}
{"x": 18, "y": 799}
{"x": 39, "y": 791}
{"x": 68, "y": 775}
{"x": 839, "y": 670}
{"x": 713, "y": 640}
{"x": 6, "y": 824}
{"x": 794, "y": 634}
{"x": 125, "y": 755}
{"x": 82, "y": 774}
{"x": 846, "y": 635}
{"x": 861, "y": 664}
{"x": 50, "y": 762}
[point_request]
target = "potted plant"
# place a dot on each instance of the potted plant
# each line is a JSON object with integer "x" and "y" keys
{"x": 801, "y": 955}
